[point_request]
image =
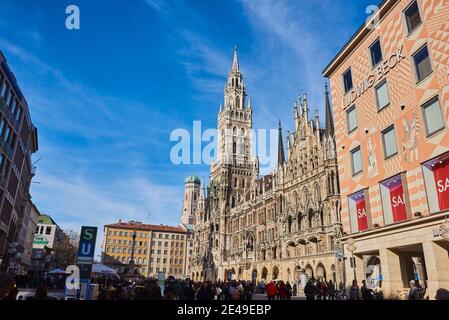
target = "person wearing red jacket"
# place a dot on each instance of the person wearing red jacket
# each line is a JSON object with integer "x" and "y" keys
{"x": 283, "y": 293}
{"x": 271, "y": 290}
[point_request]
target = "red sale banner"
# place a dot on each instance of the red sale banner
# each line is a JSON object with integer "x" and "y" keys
{"x": 441, "y": 174}
{"x": 362, "y": 218}
{"x": 398, "y": 203}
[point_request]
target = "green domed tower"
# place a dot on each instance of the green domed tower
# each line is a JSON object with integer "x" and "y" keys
{"x": 190, "y": 201}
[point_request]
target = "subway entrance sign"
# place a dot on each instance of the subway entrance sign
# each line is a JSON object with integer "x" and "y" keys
{"x": 86, "y": 248}
{"x": 85, "y": 259}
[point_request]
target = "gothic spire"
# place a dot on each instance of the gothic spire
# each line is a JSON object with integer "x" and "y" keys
{"x": 235, "y": 63}
{"x": 305, "y": 109}
{"x": 202, "y": 190}
{"x": 329, "y": 119}
{"x": 281, "y": 155}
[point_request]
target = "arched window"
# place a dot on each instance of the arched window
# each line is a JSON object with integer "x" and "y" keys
{"x": 338, "y": 183}
{"x": 299, "y": 221}
{"x": 332, "y": 182}
{"x": 290, "y": 224}
{"x": 311, "y": 219}
{"x": 317, "y": 193}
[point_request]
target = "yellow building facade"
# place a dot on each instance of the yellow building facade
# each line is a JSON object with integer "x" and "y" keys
{"x": 157, "y": 248}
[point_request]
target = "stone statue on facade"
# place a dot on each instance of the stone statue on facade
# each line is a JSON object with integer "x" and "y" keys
{"x": 410, "y": 141}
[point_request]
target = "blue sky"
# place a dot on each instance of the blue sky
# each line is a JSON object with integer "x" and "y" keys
{"x": 105, "y": 98}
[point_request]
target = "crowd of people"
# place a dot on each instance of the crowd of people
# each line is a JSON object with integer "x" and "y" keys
{"x": 176, "y": 289}
{"x": 139, "y": 288}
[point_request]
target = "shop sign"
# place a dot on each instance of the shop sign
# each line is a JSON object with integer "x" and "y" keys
{"x": 374, "y": 77}
{"x": 398, "y": 203}
{"x": 441, "y": 175}
{"x": 40, "y": 239}
{"x": 362, "y": 217}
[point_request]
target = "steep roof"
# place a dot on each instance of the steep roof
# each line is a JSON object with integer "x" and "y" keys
{"x": 45, "y": 219}
{"x": 148, "y": 227}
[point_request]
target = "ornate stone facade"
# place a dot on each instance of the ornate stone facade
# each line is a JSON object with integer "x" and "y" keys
{"x": 278, "y": 226}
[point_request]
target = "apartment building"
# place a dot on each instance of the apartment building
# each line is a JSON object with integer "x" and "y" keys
{"x": 157, "y": 248}
{"x": 18, "y": 140}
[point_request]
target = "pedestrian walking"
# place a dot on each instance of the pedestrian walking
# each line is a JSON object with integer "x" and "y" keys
{"x": 413, "y": 293}
{"x": 310, "y": 290}
{"x": 204, "y": 293}
{"x": 271, "y": 291}
{"x": 367, "y": 293}
{"x": 288, "y": 287}
{"x": 354, "y": 291}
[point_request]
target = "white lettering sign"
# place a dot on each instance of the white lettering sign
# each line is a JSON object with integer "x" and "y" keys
{"x": 443, "y": 186}
{"x": 376, "y": 75}
{"x": 397, "y": 201}
{"x": 361, "y": 213}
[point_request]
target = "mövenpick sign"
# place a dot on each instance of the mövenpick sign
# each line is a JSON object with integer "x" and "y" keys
{"x": 375, "y": 76}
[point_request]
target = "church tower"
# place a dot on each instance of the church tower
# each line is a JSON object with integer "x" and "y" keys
{"x": 190, "y": 200}
{"x": 235, "y": 168}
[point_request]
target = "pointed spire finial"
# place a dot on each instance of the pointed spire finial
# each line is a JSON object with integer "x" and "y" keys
{"x": 329, "y": 119}
{"x": 235, "y": 63}
{"x": 202, "y": 190}
{"x": 281, "y": 154}
{"x": 306, "y": 105}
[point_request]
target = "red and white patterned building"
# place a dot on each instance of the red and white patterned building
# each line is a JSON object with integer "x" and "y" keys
{"x": 390, "y": 92}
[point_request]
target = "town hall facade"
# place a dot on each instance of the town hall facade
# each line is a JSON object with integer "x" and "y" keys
{"x": 281, "y": 226}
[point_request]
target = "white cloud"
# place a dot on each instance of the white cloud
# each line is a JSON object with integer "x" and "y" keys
{"x": 79, "y": 200}
{"x": 158, "y": 5}
{"x": 114, "y": 134}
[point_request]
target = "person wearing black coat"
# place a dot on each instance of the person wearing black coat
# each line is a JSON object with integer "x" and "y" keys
{"x": 310, "y": 290}
{"x": 205, "y": 293}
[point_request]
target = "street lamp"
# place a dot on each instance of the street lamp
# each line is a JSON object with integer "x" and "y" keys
{"x": 350, "y": 245}
{"x": 445, "y": 228}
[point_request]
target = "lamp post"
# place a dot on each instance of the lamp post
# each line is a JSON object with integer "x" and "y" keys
{"x": 445, "y": 228}
{"x": 350, "y": 245}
